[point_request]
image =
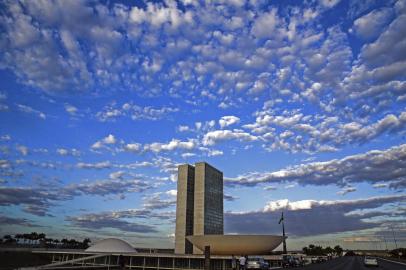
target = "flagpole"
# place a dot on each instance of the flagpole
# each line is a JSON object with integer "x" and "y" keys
{"x": 284, "y": 236}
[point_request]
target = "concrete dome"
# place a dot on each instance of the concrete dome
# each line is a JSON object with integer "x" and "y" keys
{"x": 111, "y": 245}
{"x": 236, "y": 244}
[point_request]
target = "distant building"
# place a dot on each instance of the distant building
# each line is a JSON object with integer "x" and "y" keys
{"x": 199, "y": 208}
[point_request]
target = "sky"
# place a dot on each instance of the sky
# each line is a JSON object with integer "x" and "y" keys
{"x": 301, "y": 104}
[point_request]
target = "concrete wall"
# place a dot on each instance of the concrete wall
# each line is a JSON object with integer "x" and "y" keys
{"x": 184, "y": 209}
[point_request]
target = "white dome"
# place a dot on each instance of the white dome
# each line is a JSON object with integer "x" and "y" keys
{"x": 111, "y": 245}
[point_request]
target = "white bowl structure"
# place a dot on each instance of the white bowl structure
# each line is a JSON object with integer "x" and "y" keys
{"x": 111, "y": 245}
{"x": 236, "y": 244}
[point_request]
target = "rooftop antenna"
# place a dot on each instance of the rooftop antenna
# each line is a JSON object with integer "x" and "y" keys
{"x": 283, "y": 230}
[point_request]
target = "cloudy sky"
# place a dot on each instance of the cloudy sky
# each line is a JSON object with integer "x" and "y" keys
{"x": 301, "y": 105}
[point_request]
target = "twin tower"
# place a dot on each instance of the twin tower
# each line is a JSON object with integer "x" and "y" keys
{"x": 199, "y": 207}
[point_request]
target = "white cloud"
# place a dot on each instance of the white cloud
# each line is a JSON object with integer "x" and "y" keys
{"x": 5, "y": 138}
{"x": 183, "y": 128}
{"x": 370, "y": 25}
{"x": 23, "y": 150}
{"x": 381, "y": 185}
{"x": 98, "y": 165}
{"x": 212, "y": 153}
{"x": 68, "y": 152}
{"x": 329, "y": 3}
{"x": 376, "y": 166}
{"x": 278, "y": 205}
{"x": 132, "y": 147}
{"x": 103, "y": 143}
{"x": 28, "y": 109}
{"x": 265, "y": 24}
{"x": 229, "y": 120}
{"x": 174, "y": 144}
{"x": 72, "y": 110}
{"x": 213, "y": 137}
{"x": 62, "y": 152}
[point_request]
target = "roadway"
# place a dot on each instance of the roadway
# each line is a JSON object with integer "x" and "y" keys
{"x": 352, "y": 263}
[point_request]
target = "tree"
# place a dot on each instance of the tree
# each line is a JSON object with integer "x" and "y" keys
{"x": 85, "y": 243}
{"x": 328, "y": 251}
{"x": 34, "y": 237}
{"x": 338, "y": 250}
{"x": 350, "y": 253}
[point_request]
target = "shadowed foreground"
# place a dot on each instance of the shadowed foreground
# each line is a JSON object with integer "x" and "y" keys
{"x": 353, "y": 263}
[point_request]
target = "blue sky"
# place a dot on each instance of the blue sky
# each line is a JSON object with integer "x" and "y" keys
{"x": 301, "y": 105}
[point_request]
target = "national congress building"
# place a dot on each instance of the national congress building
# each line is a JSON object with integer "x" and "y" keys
{"x": 199, "y": 208}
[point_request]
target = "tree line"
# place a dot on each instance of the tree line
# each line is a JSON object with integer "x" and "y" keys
{"x": 320, "y": 251}
{"x": 35, "y": 239}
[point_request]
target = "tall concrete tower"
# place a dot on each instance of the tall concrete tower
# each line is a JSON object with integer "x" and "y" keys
{"x": 184, "y": 208}
{"x": 199, "y": 209}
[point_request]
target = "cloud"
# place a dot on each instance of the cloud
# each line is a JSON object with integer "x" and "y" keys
{"x": 98, "y": 165}
{"x": 300, "y": 216}
{"x": 380, "y": 185}
{"x": 226, "y": 121}
{"x": 100, "y": 221}
{"x": 329, "y": 3}
{"x": 5, "y": 138}
{"x": 135, "y": 112}
{"x": 35, "y": 201}
{"x": 373, "y": 166}
{"x": 269, "y": 188}
{"x": 230, "y": 198}
{"x": 160, "y": 200}
{"x": 174, "y": 144}
{"x": 113, "y": 186}
{"x": 132, "y": 147}
{"x": 72, "y": 110}
{"x": 265, "y": 24}
{"x": 68, "y": 152}
{"x": 370, "y": 25}
{"x": 15, "y": 221}
{"x": 29, "y": 110}
{"x": 103, "y": 143}
{"x": 38, "y": 201}
{"x": 346, "y": 190}
{"x": 213, "y": 137}
{"x": 23, "y": 150}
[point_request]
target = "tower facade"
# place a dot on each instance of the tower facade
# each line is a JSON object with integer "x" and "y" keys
{"x": 184, "y": 208}
{"x": 199, "y": 209}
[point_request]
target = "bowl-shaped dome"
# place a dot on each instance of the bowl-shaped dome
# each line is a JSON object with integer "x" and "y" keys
{"x": 236, "y": 244}
{"x": 111, "y": 245}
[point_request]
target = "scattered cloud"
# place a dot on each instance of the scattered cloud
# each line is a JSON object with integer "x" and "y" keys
{"x": 373, "y": 166}
{"x": 135, "y": 112}
{"x": 104, "y": 143}
{"x": 72, "y": 110}
{"x": 347, "y": 190}
{"x": 371, "y": 24}
{"x": 213, "y": 137}
{"x": 226, "y": 121}
{"x": 174, "y": 144}
{"x": 100, "y": 221}
{"x": 68, "y": 152}
{"x": 29, "y": 110}
{"x": 331, "y": 216}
